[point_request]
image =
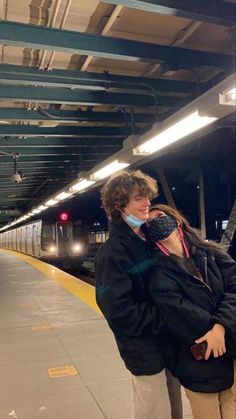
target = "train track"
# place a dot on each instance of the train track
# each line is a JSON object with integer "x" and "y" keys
{"x": 87, "y": 272}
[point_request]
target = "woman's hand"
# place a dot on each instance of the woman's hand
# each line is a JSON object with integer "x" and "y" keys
{"x": 215, "y": 339}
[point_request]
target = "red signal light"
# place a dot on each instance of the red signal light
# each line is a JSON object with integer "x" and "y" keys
{"x": 64, "y": 216}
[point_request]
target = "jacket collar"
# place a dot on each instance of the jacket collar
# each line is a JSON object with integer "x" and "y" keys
{"x": 122, "y": 229}
{"x": 177, "y": 264}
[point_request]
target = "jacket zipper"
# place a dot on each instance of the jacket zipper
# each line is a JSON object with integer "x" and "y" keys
{"x": 205, "y": 266}
{"x": 202, "y": 280}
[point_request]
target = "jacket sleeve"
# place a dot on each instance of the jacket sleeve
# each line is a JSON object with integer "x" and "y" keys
{"x": 226, "y": 310}
{"x": 115, "y": 296}
{"x": 185, "y": 320}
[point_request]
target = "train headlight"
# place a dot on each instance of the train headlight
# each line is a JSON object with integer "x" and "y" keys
{"x": 77, "y": 248}
{"x": 52, "y": 249}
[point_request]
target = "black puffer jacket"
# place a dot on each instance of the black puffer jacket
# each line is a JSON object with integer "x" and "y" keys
{"x": 122, "y": 269}
{"x": 190, "y": 308}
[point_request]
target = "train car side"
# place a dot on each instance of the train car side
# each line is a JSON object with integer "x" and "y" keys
{"x": 57, "y": 243}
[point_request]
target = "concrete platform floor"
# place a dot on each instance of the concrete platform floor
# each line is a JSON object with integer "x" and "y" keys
{"x": 58, "y": 358}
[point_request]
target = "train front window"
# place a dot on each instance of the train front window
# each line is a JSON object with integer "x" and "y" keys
{"x": 65, "y": 231}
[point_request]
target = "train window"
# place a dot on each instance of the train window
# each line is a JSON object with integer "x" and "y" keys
{"x": 98, "y": 236}
{"x": 48, "y": 233}
{"x": 92, "y": 237}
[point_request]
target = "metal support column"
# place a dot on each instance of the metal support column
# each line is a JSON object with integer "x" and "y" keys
{"x": 164, "y": 184}
{"x": 202, "y": 215}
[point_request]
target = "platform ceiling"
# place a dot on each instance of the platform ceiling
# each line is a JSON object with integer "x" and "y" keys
{"x": 78, "y": 77}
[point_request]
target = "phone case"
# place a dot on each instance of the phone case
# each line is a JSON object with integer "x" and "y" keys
{"x": 198, "y": 351}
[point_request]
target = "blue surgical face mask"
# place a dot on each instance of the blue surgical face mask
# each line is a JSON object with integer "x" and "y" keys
{"x": 133, "y": 221}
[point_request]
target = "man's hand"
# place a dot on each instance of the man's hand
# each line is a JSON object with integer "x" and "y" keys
{"x": 215, "y": 339}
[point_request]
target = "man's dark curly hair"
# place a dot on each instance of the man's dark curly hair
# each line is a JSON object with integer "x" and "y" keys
{"x": 118, "y": 189}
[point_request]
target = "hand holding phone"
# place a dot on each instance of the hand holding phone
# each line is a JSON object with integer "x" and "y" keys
{"x": 215, "y": 340}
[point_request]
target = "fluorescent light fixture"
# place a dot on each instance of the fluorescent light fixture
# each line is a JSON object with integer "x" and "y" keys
{"x": 51, "y": 202}
{"x": 108, "y": 170}
{"x": 81, "y": 185}
{"x": 36, "y": 211}
{"x": 63, "y": 195}
{"x": 228, "y": 97}
{"x": 175, "y": 132}
{"x": 232, "y": 93}
{"x": 42, "y": 207}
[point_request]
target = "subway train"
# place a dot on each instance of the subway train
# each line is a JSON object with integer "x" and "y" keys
{"x": 63, "y": 243}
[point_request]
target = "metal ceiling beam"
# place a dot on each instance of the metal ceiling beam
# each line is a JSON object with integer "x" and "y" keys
{"x": 29, "y": 180}
{"x": 56, "y": 142}
{"x": 45, "y": 167}
{"x": 39, "y": 174}
{"x": 212, "y": 11}
{"x": 26, "y": 184}
{"x": 46, "y": 151}
{"x": 48, "y": 170}
{"x": 16, "y": 114}
{"x": 80, "y": 79}
{"x": 17, "y": 199}
{"x": 51, "y": 169}
{"x": 68, "y": 159}
{"x": 35, "y": 177}
{"x": 60, "y": 131}
{"x": 47, "y": 164}
{"x": 87, "y": 98}
{"x": 38, "y": 37}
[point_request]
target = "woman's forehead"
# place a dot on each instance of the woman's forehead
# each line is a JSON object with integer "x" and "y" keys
{"x": 154, "y": 212}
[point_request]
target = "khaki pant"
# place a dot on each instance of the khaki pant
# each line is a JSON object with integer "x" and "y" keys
{"x": 157, "y": 396}
{"x": 235, "y": 385}
{"x": 214, "y": 405}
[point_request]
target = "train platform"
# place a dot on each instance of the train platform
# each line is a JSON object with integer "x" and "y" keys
{"x": 58, "y": 358}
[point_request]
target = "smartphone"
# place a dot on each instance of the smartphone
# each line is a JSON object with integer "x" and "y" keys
{"x": 199, "y": 350}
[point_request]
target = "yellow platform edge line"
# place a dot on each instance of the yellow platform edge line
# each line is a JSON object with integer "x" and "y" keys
{"x": 85, "y": 292}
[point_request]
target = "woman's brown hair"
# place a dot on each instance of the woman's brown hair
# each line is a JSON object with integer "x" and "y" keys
{"x": 192, "y": 234}
{"x": 118, "y": 189}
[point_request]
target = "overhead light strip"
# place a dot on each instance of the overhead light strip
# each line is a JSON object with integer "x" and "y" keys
{"x": 51, "y": 202}
{"x": 63, "y": 195}
{"x": 81, "y": 185}
{"x": 108, "y": 170}
{"x": 174, "y": 133}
